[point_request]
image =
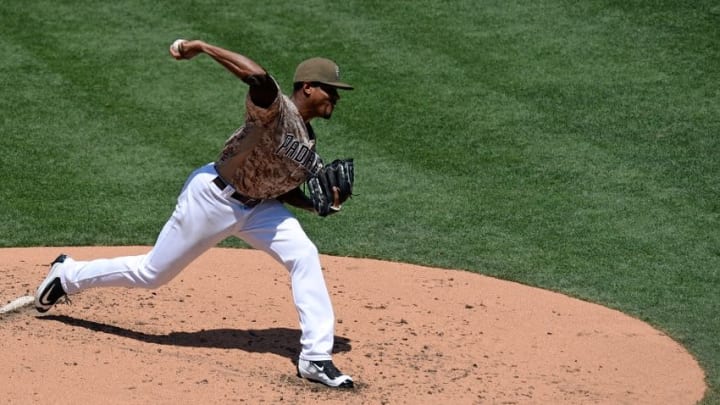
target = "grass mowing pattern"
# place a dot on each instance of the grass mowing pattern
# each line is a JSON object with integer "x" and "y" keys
{"x": 569, "y": 146}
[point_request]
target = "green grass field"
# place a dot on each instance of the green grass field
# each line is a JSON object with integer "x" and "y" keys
{"x": 568, "y": 145}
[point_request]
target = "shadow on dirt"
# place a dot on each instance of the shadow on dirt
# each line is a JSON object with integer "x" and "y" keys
{"x": 281, "y": 341}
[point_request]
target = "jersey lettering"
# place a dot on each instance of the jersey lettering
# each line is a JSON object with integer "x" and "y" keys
{"x": 302, "y": 154}
{"x": 277, "y": 148}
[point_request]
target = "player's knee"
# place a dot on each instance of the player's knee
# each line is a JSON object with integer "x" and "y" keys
{"x": 152, "y": 279}
{"x": 309, "y": 251}
{"x": 304, "y": 255}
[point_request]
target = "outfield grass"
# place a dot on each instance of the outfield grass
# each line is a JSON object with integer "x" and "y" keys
{"x": 568, "y": 145}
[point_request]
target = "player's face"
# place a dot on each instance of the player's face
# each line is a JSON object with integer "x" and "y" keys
{"x": 327, "y": 97}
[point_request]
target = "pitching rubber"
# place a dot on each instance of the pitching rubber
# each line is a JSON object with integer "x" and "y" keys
{"x": 17, "y": 304}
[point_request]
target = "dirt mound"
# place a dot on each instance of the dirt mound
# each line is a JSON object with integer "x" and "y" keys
{"x": 225, "y": 331}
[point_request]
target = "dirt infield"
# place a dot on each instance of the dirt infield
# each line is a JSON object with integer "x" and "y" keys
{"x": 225, "y": 331}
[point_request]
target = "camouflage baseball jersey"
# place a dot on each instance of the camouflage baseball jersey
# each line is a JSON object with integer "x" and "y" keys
{"x": 274, "y": 152}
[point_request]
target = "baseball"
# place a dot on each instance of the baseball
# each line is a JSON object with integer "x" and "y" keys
{"x": 176, "y": 46}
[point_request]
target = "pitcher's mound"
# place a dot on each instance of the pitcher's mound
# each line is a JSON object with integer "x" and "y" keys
{"x": 225, "y": 331}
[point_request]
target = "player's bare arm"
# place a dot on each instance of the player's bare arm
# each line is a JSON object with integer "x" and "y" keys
{"x": 297, "y": 198}
{"x": 263, "y": 88}
{"x": 242, "y": 66}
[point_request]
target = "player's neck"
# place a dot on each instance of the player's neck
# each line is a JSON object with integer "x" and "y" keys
{"x": 306, "y": 112}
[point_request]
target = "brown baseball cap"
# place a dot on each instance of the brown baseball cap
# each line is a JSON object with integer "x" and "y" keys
{"x": 320, "y": 70}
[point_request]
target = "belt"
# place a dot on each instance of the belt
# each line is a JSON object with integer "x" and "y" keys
{"x": 245, "y": 200}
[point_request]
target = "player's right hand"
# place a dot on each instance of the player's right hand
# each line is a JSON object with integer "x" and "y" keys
{"x": 177, "y": 49}
{"x": 184, "y": 49}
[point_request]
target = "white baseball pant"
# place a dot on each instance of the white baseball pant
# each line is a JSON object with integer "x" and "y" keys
{"x": 203, "y": 217}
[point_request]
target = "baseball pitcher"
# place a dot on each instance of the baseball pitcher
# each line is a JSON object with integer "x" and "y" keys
{"x": 262, "y": 166}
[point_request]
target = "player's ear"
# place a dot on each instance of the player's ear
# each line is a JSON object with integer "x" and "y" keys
{"x": 307, "y": 88}
{"x": 304, "y": 88}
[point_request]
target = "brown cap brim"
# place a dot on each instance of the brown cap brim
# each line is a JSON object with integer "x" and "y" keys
{"x": 339, "y": 85}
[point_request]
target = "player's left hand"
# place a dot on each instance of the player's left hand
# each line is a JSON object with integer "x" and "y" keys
{"x": 337, "y": 204}
{"x": 332, "y": 186}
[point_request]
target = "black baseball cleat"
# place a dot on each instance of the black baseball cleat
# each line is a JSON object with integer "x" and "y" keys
{"x": 50, "y": 290}
{"x": 324, "y": 372}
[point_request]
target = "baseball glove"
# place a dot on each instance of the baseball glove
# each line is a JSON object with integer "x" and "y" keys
{"x": 335, "y": 178}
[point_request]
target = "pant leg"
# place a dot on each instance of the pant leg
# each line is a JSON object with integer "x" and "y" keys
{"x": 274, "y": 229}
{"x": 202, "y": 217}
